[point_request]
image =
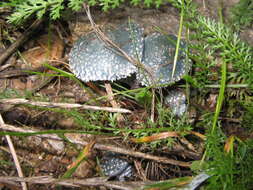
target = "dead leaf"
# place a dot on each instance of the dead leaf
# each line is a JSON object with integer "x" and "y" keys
{"x": 50, "y": 47}
{"x": 155, "y": 137}
{"x": 203, "y": 137}
{"x": 229, "y": 144}
{"x": 83, "y": 155}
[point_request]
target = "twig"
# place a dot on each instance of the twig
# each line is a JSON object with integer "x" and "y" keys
{"x": 19, "y": 41}
{"x": 17, "y": 73}
{"x": 45, "y": 82}
{"x": 3, "y": 67}
{"x": 17, "y": 101}
{"x": 113, "y": 102}
{"x": 153, "y": 105}
{"x": 90, "y": 182}
{"x": 105, "y": 147}
{"x": 14, "y": 155}
{"x": 27, "y": 72}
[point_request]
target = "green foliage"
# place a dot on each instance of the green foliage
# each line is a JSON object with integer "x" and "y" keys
{"x": 75, "y": 5}
{"x": 9, "y": 93}
{"x": 221, "y": 96}
{"x": 216, "y": 39}
{"x": 24, "y": 9}
{"x": 144, "y": 97}
{"x": 27, "y": 8}
{"x": 242, "y": 14}
{"x": 229, "y": 170}
{"x": 165, "y": 121}
{"x": 248, "y": 115}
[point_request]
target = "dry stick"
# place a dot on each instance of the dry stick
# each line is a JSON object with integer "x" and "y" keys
{"x": 153, "y": 105}
{"x": 45, "y": 82}
{"x": 108, "y": 89}
{"x": 26, "y": 72}
{"x": 90, "y": 182}
{"x": 14, "y": 155}
{"x": 19, "y": 41}
{"x": 107, "y": 147}
{"x": 113, "y": 102}
{"x": 17, "y": 101}
{"x": 3, "y": 67}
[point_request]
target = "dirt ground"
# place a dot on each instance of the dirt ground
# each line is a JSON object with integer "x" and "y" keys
{"x": 52, "y": 156}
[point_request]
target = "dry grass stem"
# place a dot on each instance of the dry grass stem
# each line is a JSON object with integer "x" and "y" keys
{"x": 90, "y": 182}
{"x": 113, "y": 102}
{"x": 105, "y": 147}
{"x": 14, "y": 156}
{"x": 17, "y": 101}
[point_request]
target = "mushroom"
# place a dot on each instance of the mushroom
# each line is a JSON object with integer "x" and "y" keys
{"x": 91, "y": 60}
{"x": 115, "y": 167}
{"x": 159, "y": 56}
{"x": 176, "y": 100}
{"x": 159, "y": 51}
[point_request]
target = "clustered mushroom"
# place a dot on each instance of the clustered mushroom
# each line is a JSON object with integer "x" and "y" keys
{"x": 91, "y": 59}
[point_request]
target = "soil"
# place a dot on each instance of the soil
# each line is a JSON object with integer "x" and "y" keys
{"x": 42, "y": 156}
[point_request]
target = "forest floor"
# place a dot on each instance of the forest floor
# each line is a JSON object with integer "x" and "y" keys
{"x": 68, "y": 141}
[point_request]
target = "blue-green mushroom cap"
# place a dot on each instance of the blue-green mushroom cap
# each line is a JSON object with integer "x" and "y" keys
{"x": 176, "y": 100}
{"x": 159, "y": 56}
{"x": 114, "y": 166}
{"x": 90, "y": 58}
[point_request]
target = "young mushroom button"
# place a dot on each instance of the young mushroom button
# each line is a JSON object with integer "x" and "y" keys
{"x": 176, "y": 100}
{"x": 91, "y": 59}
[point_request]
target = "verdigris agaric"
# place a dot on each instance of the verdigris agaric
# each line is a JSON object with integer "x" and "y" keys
{"x": 91, "y": 60}
{"x": 158, "y": 56}
{"x": 176, "y": 100}
{"x": 115, "y": 167}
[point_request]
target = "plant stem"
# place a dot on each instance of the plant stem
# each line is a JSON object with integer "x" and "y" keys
{"x": 219, "y": 86}
{"x": 178, "y": 40}
{"x": 221, "y": 95}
